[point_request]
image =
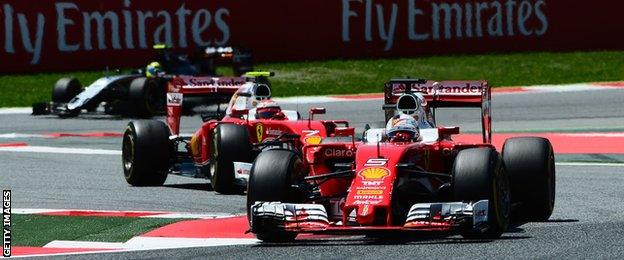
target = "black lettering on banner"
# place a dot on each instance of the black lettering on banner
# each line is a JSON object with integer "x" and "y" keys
{"x": 6, "y": 223}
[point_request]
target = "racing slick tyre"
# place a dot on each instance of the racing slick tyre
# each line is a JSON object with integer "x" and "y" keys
{"x": 65, "y": 89}
{"x": 147, "y": 97}
{"x": 530, "y": 164}
{"x": 230, "y": 143}
{"x": 272, "y": 176}
{"x": 146, "y": 153}
{"x": 479, "y": 174}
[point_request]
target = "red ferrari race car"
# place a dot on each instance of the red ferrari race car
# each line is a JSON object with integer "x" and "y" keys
{"x": 222, "y": 149}
{"x": 409, "y": 176}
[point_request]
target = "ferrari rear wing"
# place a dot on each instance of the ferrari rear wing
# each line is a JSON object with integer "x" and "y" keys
{"x": 218, "y": 87}
{"x": 206, "y": 85}
{"x": 444, "y": 94}
{"x": 180, "y": 86}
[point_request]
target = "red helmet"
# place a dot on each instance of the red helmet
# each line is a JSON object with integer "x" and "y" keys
{"x": 267, "y": 109}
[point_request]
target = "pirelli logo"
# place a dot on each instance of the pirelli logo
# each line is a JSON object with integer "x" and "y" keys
{"x": 6, "y": 223}
{"x": 369, "y": 192}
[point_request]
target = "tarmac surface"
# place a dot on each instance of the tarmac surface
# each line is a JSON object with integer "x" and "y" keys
{"x": 587, "y": 221}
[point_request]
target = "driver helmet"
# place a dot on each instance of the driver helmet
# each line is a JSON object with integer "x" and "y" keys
{"x": 267, "y": 109}
{"x": 402, "y": 128}
{"x": 415, "y": 106}
{"x": 153, "y": 69}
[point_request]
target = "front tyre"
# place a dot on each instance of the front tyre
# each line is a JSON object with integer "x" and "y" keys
{"x": 272, "y": 176}
{"x": 230, "y": 143}
{"x": 530, "y": 163}
{"x": 65, "y": 89}
{"x": 478, "y": 174}
{"x": 146, "y": 153}
{"x": 147, "y": 97}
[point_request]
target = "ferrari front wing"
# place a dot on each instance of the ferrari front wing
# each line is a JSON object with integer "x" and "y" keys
{"x": 313, "y": 218}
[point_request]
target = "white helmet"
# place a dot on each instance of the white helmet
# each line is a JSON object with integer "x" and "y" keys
{"x": 414, "y": 105}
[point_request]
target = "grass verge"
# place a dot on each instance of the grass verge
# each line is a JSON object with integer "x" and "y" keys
{"x": 368, "y": 76}
{"x": 38, "y": 230}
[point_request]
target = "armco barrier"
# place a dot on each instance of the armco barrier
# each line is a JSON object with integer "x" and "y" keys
{"x": 49, "y": 35}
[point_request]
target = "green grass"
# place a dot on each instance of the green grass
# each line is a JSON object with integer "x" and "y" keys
{"x": 367, "y": 76}
{"x": 38, "y": 230}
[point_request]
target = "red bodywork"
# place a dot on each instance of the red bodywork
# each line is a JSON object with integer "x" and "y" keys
{"x": 259, "y": 129}
{"x": 369, "y": 192}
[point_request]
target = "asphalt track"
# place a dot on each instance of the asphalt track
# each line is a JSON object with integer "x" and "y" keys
{"x": 587, "y": 222}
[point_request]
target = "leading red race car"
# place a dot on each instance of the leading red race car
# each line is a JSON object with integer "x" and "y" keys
{"x": 409, "y": 176}
{"x": 222, "y": 149}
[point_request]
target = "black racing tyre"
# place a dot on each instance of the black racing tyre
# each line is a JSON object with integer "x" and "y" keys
{"x": 271, "y": 177}
{"x": 146, "y": 153}
{"x": 478, "y": 174}
{"x": 530, "y": 164}
{"x": 230, "y": 143}
{"x": 65, "y": 89}
{"x": 147, "y": 97}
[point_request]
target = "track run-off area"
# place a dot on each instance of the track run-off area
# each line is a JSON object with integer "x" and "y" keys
{"x": 52, "y": 165}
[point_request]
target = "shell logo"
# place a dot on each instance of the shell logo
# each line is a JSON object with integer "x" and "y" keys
{"x": 315, "y": 139}
{"x": 374, "y": 173}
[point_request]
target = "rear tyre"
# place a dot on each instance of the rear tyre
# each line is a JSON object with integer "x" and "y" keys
{"x": 65, "y": 89}
{"x": 146, "y": 153}
{"x": 147, "y": 97}
{"x": 230, "y": 143}
{"x": 271, "y": 177}
{"x": 530, "y": 164}
{"x": 478, "y": 174}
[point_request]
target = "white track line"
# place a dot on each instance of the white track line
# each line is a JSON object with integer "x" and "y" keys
{"x": 589, "y": 164}
{"x": 151, "y": 243}
{"x": 311, "y": 100}
{"x": 15, "y": 110}
{"x": 18, "y": 135}
{"x": 84, "y": 244}
{"x": 173, "y": 242}
{"x": 59, "y": 150}
{"x": 157, "y": 214}
{"x": 565, "y": 88}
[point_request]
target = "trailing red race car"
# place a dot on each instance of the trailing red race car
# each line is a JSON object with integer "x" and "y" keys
{"x": 409, "y": 176}
{"x": 222, "y": 149}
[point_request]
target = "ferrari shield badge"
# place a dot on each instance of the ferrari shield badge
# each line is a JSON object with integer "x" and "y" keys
{"x": 259, "y": 131}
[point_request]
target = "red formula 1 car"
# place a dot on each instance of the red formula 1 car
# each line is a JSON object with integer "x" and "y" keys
{"x": 222, "y": 149}
{"x": 410, "y": 176}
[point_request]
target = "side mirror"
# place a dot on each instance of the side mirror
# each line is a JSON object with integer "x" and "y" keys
{"x": 317, "y": 111}
{"x": 366, "y": 128}
{"x": 344, "y": 131}
{"x": 239, "y": 112}
{"x": 446, "y": 131}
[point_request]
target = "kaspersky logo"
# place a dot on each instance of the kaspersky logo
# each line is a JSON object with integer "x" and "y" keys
{"x": 374, "y": 173}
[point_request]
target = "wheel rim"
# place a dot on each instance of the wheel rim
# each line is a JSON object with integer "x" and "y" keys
{"x": 128, "y": 154}
{"x": 214, "y": 160}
